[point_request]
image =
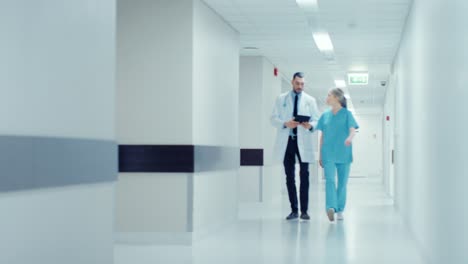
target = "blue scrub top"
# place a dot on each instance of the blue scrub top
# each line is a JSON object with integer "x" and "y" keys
{"x": 335, "y": 130}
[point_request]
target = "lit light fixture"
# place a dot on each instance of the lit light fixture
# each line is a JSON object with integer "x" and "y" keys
{"x": 323, "y": 42}
{"x": 307, "y": 3}
{"x": 340, "y": 83}
{"x": 358, "y": 78}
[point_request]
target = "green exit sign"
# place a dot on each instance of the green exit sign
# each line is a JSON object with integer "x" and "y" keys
{"x": 358, "y": 78}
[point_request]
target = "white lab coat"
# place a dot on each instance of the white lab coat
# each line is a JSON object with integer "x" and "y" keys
{"x": 283, "y": 112}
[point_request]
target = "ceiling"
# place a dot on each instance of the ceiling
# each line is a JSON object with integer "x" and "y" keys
{"x": 365, "y": 36}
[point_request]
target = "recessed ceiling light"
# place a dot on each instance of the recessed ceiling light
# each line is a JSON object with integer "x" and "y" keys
{"x": 307, "y": 3}
{"x": 323, "y": 42}
{"x": 340, "y": 83}
{"x": 250, "y": 48}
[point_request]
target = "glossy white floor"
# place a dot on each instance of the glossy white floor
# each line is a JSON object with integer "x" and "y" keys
{"x": 370, "y": 233}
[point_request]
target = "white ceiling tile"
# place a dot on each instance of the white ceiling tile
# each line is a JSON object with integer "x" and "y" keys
{"x": 365, "y": 34}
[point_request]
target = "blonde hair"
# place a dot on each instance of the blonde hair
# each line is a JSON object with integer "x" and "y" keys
{"x": 338, "y": 93}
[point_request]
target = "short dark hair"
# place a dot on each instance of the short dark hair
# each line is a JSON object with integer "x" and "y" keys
{"x": 298, "y": 75}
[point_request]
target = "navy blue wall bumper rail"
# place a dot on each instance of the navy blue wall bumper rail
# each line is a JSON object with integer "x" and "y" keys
{"x": 185, "y": 158}
{"x": 177, "y": 158}
{"x": 251, "y": 157}
{"x": 28, "y": 162}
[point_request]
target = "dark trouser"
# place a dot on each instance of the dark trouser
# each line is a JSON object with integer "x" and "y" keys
{"x": 289, "y": 168}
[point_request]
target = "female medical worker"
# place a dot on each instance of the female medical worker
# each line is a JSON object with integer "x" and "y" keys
{"x": 338, "y": 128}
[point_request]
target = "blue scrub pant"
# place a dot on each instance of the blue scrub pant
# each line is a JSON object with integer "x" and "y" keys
{"x": 336, "y": 197}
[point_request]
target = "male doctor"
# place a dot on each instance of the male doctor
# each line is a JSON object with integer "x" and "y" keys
{"x": 295, "y": 139}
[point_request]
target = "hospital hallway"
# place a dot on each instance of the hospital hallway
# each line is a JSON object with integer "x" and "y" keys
{"x": 175, "y": 131}
{"x": 372, "y": 232}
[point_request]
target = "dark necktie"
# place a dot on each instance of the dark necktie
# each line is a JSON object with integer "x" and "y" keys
{"x": 295, "y": 112}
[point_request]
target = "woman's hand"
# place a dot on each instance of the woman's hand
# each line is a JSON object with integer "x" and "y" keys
{"x": 306, "y": 125}
{"x": 348, "y": 142}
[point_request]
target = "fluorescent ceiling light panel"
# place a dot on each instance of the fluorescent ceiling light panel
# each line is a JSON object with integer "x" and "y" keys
{"x": 340, "y": 83}
{"x": 358, "y": 78}
{"x": 323, "y": 42}
{"x": 307, "y": 3}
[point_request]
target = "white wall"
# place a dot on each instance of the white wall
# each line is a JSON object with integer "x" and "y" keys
{"x": 430, "y": 130}
{"x": 154, "y": 72}
{"x": 71, "y": 224}
{"x": 250, "y": 100}
{"x": 286, "y": 86}
{"x": 178, "y": 66}
{"x": 250, "y": 125}
{"x": 273, "y": 178}
{"x": 57, "y": 80}
{"x": 57, "y": 70}
{"x": 138, "y": 199}
{"x": 249, "y": 185}
{"x": 258, "y": 91}
{"x": 367, "y": 146}
{"x": 215, "y": 115}
{"x": 215, "y": 79}
{"x": 154, "y": 106}
{"x": 388, "y": 127}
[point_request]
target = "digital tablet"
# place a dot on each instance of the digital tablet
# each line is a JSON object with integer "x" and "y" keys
{"x": 302, "y": 119}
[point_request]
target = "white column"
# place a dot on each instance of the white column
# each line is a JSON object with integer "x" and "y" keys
{"x": 177, "y": 85}
{"x": 154, "y": 103}
{"x": 57, "y": 88}
{"x": 258, "y": 91}
{"x": 215, "y": 114}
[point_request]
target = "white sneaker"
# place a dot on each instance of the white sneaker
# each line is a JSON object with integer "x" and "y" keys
{"x": 331, "y": 214}
{"x": 340, "y": 216}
